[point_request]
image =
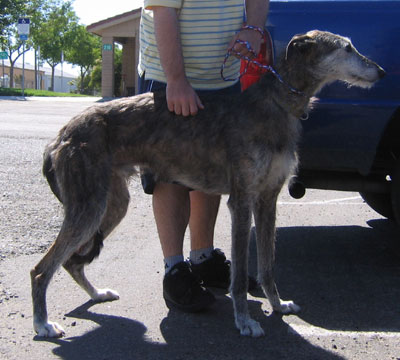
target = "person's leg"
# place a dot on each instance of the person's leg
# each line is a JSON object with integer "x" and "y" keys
{"x": 171, "y": 209}
{"x": 208, "y": 263}
{"x": 204, "y": 207}
{"x": 203, "y": 215}
{"x": 181, "y": 288}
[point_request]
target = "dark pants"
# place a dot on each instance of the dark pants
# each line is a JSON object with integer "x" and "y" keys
{"x": 147, "y": 178}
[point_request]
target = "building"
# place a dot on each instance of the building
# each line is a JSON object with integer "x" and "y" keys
{"x": 63, "y": 82}
{"x": 29, "y": 75}
{"x": 122, "y": 29}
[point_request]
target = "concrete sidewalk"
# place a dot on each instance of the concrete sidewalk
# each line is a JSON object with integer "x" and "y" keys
{"x": 55, "y": 98}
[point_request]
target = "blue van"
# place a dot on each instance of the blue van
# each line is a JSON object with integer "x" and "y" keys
{"x": 351, "y": 140}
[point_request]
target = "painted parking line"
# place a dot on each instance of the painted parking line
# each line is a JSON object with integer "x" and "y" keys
{"x": 309, "y": 330}
{"x": 341, "y": 201}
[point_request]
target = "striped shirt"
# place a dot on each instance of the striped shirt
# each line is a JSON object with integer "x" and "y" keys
{"x": 206, "y": 28}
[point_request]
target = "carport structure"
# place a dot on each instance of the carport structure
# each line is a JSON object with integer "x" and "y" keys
{"x": 122, "y": 29}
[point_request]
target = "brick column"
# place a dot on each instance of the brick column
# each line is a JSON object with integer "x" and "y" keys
{"x": 137, "y": 50}
{"x": 107, "y": 73}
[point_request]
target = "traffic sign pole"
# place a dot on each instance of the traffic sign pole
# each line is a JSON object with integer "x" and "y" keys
{"x": 23, "y": 31}
{"x": 23, "y": 68}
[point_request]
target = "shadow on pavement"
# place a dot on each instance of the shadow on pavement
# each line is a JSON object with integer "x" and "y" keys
{"x": 345, "y": 278}
{"x": 207, "y": 335}
{"x": 115, "y": 338}
{"x": 213, "y": 336}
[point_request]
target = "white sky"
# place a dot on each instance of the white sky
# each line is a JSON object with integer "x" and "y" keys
{"x": 89, "y": 12}
{"x": 92, "y": 11}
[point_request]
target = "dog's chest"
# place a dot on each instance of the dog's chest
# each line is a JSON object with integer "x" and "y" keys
{"x": 270, "y": 169}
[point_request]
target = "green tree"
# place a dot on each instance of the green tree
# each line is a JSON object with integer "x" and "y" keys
{"x": 84, "y": 50}
{"x": 14, "y": 48}
{"x": 95, "y": 75}
{"x": 11, "y": 10}
{"x": 53, "y": 34}
{"x": 41, "y": 9}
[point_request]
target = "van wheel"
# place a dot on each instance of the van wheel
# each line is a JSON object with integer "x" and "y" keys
{"x": 381, "y": 203}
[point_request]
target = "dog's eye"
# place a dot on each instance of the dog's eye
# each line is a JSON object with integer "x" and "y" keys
{"x": 349, "y": 48}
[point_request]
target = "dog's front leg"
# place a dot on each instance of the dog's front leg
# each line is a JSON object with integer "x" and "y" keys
{"x": 264, "y": 216}
{"x": 241, "y": 221}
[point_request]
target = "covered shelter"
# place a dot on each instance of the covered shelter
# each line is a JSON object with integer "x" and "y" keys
{"x": 121, "y": 29}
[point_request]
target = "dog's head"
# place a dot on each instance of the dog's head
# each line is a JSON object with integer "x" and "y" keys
{"x": 333, "y": 57}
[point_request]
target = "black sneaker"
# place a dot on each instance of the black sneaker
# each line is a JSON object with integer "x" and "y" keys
{"x": 216, "y": 272}
{"x": 183, "y": 290}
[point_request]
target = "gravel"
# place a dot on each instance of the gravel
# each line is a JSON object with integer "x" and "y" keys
{"x": 30, "y": 217}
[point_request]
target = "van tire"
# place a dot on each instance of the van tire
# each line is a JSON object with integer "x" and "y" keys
{"x": 381, "y": 203}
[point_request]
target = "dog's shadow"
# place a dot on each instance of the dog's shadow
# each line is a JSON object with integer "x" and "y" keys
{"x": 345, "y": 277}
{"x": 205, "y": 335}
{"x": 115, "y": 337}
{"x": 213, "y": 335}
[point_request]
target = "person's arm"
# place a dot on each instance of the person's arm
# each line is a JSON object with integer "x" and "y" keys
{"x": 181, "y": 97}
{"x": 256, "y": 14}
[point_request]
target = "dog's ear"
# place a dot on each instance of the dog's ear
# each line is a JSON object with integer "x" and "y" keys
{"x": 300, "y": 44}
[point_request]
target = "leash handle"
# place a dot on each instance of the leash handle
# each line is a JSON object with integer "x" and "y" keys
{"x": 248, "y": 61}
{"x": 242, "y": 57}
{"x": 237, "y": 54}
{"x": 255, "y": 28}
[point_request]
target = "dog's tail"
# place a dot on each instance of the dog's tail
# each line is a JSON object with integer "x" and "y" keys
{"x": 48, "y": 172}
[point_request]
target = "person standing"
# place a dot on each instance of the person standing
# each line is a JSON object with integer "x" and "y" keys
{"x": 182, "y": 46}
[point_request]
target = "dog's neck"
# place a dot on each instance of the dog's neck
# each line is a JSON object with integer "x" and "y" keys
{"x": 289, "y": 94}
{"x": 301, "y": 72}
{"x": 295, "y": 85}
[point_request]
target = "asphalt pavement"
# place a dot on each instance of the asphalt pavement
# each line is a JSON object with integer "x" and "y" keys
{"x": 336, "y": 258}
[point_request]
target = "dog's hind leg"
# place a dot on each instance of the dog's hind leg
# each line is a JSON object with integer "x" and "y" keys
{"x": 68, "y": 241}
{"x": 240, "y": 209}
{"x": 117, "y": 205}
{"x": 264, "y": 216}
{"x": 84, "y": 196}
{"x": 75, "y": 266}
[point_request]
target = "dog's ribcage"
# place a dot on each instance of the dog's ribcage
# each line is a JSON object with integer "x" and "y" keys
{"x": 205, "y": 151}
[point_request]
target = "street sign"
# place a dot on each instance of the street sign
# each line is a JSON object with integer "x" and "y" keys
{"x": 23, "y": 26}
{"x": 3, "y": 55}
{"x": 23, "y": 31}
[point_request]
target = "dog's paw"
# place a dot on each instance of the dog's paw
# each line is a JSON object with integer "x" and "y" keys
{"x": 249, "y": 327}
{"x": 102, "y": 295}
{"x": 49, "y": 329}
{"x": 287, "y": 307}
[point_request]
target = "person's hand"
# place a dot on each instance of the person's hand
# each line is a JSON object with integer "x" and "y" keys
{"x": 252, "y": 37}
{"x": 182, "y": 98}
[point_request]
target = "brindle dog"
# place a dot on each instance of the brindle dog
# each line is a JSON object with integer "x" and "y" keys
{"x": 244, "y": 146}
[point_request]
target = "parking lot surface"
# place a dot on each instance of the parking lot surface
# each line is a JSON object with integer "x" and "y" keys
{"x": 336, "y": 258}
